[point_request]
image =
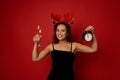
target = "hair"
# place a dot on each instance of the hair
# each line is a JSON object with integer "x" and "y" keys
{"x": 55, "y": 39}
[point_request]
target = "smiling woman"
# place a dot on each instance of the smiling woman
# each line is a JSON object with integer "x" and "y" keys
{"x": 62, "y": 29}
{"x": 18, "y": 25}
{"x": 62, "y": 51}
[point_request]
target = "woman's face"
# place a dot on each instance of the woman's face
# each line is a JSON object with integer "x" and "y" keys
{"x": 61, "y": 32}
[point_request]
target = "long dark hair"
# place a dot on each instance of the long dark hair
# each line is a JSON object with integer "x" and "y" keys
{"x": 55, "y": 39}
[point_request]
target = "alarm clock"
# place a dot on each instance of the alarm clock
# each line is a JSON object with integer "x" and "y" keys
{"x": 87, "y": 35}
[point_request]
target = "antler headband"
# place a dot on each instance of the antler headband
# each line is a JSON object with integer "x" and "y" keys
{"x": 69, "y": 18}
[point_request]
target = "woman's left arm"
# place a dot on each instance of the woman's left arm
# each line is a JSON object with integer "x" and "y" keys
{"x": 85, "y": 48}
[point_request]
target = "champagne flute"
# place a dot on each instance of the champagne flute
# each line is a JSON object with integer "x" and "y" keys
{"x": 39, "y": 32}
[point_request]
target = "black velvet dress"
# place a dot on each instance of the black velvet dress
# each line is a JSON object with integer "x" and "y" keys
{"x": 62, "y": 65}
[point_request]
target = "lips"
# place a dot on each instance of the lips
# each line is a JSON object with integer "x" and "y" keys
{"x": 59, "y": 36}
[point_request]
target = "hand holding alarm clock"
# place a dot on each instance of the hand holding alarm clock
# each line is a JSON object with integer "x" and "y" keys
{"x": 88, "y": 33}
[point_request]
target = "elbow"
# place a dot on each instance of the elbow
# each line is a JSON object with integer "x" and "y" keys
{"x": 34, "y": 59}
{"x": 94, "y": 50}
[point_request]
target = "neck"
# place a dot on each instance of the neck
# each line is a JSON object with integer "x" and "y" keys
{"x": 63, "y": 41}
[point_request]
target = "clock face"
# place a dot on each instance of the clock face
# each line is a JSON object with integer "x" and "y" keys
{"x": 88, "y": 37}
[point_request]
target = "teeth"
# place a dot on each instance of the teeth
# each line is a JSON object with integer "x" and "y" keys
{"x": 59, "y": 35}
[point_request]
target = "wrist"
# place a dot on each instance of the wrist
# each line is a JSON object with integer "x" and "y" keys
{"x": 36, "y": 42}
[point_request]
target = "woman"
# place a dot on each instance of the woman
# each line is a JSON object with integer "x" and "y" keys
{"x": 62, "y": 51}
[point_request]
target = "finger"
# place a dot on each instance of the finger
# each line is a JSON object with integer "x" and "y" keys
{"x": 91, "y": 27}
{"x": 38, "y": 35}
{"x": 88, "y": 29}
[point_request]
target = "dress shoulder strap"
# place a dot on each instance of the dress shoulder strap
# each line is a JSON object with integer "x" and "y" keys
{"x": 53, "y": 45}
{"x": 71, "y": 47}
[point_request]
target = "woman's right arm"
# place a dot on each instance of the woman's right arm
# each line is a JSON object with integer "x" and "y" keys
{"x": 43, "y": 53}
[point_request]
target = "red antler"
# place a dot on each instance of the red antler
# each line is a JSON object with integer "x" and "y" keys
{"x": 69, "y": 18}
{"x": 55, "y": 18}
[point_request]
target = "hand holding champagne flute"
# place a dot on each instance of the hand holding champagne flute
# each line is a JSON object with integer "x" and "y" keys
{"x": 37, "y": 37}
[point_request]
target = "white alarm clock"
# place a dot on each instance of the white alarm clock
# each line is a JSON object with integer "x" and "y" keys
{"x": 87, "y": 36}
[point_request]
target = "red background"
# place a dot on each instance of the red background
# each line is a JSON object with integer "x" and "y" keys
{"x": 18, "y": 23}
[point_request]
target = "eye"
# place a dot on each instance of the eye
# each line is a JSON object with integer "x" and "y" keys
{"x": 63, "y": 30}
{"x": 57, "y": 30}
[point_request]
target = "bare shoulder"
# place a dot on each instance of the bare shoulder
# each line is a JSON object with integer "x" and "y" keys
{"x": 76, "y": 43}
{"x": 49, "y": 47}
